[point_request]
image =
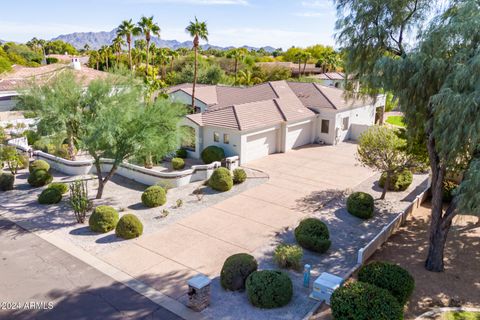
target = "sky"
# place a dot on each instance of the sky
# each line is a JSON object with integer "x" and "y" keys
{"x": 278, "y": 23}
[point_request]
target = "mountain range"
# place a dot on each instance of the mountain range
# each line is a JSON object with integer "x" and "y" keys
{"x": 96, "y": 40}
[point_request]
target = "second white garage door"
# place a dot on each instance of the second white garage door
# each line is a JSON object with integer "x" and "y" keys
{"x": 260, "y": 145}
{"x": 299, "y": 135}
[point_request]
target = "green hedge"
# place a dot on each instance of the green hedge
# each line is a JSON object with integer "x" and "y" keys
{"x": 312, "y": 234}
{"x": 60, "y": 186}
{"x": 178, "y": 163}
{"x": 103, "y": 219}
{"x": 360, "y": 204}
{"x": 39, "y": 164}
{"x": 221, "y": 180}
{"x": 269, "y": 289}
{"x": 364, "y": 301}
{"x": 7, "y": 181}
{"x": 389, "y": 276}
{"x": 239, "y": 176}
{"x": 39, "y": 178}
{"x": 181, "y": 153}
{"x": 398, "y": 182}
{"x": 129, "y": 227}
{"x": 154, "y": 196}
{"x": 212, "y": 153}
{"x": 235, "y": 271}
{"x": 288, "y": 256}
{"x": 50, "y": 196}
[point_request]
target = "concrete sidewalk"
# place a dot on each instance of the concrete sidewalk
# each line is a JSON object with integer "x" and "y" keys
{"x": 33, "y": 270}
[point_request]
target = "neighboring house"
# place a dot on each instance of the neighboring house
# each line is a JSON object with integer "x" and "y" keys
{"x": 272, "y": 117}
{"x": 332, "y": 79}
{"x": 12, "y": 82}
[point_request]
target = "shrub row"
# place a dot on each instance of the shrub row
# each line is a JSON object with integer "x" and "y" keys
{"x": 105, "y": 218}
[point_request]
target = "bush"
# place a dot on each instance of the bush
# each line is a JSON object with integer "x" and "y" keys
{"x": 62, "y": 187}
{"x": 221, "y": 180}
{"x": 103, "y": 219}
{"x": 236, "y": 270}
{"x": 50, "y": 196}
{"x": 154, "y": 196}
{"x": 51, "y": 60}
{"x": 312, "y": 234}
{"x": 398, "y": 182}
{"x": 39, "y": 178}
{"x": 289, "y": 256}
{"x": 360, "y": 204}
{"x": 239, "y": 176}
{"x": 178, "y": 163}
{"x": 269, "y": 289}
{"x": 182, "y": 153}
{"x": 364, "y": 301}
{"x": 390, "y": 277}
{"x": 447, "y": 189}
{"x": 6, "y": 181}
{"x": 39, "y": 164}
{"x": 45, "y": 146}
{"x": 212, "y": 153}
{"x": 32, "y": 136}
{"x": 129, "y": 227}
{"x": 28, "y": 114}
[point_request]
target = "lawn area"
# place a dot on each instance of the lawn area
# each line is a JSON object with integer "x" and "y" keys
{"x": 461, "y": 315}
{"x": 396, "y": 121}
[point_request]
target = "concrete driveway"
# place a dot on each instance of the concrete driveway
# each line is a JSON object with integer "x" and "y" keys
{"x": 245, "y": 222}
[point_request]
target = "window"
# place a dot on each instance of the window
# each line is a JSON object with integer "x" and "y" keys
{"x": 325, "y": 125}
{"x": 345, "y": 123}
{"x": 226, "y": 138}
{"x": 216, "y": 137}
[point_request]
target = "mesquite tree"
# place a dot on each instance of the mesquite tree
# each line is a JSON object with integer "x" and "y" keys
{"x": 437, "y": 83}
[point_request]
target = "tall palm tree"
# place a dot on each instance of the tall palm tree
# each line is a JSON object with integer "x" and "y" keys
{"x": 105, "y": 52}
{"x": 117, "y": 47}
{"x": 237, "y": 54}
{"x": 128, "y": 29}
{"x": 163, "y": 59}
{"x": 173, "y": 56}
{"x": 148, "y": 28}
{"x": 198, "y": 30}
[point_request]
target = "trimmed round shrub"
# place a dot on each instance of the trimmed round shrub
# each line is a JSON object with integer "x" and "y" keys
{"x": 236, "y": 270}
{"x": 447, "y": 189}
{"x": 181, "y": 153}
{"x": 154, "y": 196}
{"x": 103, "y": 219}
{"x": 239, "y": 176}
{"x": 221, "y": 180}
{"x": 6, "y": 181}
{"x": 288, "y": 256}
{"x": 60, "y": 186}
{"x": 178, "y": 163}
{"x": 269, "y": 289}
{"x": 212, "y": 153}
{"x": 398, "y": 182}
{"x": 39, "y": 165}
{"x": 312, "y": 234}
{"x": 39, "y": 178}
{"x": 389, "y": 276}
{"x": 129, "y": 227}
{"x": 360, "y": 204}
{"x": 50, "y": 196}
{"x": 364, "y": 301}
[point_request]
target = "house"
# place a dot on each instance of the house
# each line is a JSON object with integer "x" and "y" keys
{"x": 332, "y": 79}
{"x": 272, "y": 117}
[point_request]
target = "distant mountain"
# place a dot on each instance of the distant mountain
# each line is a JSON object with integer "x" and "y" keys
{"x": 96, "y": 40}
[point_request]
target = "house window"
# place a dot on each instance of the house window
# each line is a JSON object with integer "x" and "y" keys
{"x": 216, "y": 137}
{"x": 325, "y": 125}
{"x": 226, "y": 138}
{"x": 345, "y": 123}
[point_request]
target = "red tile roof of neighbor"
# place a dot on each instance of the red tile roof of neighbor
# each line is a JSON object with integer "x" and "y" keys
{"x": 245, "y": 108}
{"x": 20, "y": 76}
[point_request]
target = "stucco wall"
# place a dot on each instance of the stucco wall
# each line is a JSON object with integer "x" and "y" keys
{"x": 231, "y": 149}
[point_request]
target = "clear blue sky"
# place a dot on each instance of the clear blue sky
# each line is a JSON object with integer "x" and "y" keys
{"x": 279, "y": 23}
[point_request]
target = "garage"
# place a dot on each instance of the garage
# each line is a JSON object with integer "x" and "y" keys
{"x": 260, "y": 145}
{"x": 299, "y": 135}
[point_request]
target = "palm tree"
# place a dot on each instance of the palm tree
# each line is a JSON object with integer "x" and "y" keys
{"x": 127, "y": 29}
{"x": 140, "y": 45}
{"x": 173, "y": 56}
{"x": 148, "y": 28}
{"x": 35, "y": 44}
{"x": 247, "y": 78}
{"x": 163, "y": 59}
{"x": 306, "y": 56}
{"x": 197, "y": 30}
{"x": 237, "y": 54}
{"x": 117, "y": 47}
{"x": 105, "y": 52}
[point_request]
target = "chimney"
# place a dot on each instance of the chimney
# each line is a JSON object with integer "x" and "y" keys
{"x": 76, "y": 65}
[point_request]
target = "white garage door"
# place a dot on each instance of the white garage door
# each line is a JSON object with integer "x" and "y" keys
{"x": 299, "y": 135}
{"x": 260, "y": 145}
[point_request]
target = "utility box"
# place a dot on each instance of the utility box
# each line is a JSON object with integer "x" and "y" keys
{"x": 324, "y": 286}
{"x": 199, "y": 292}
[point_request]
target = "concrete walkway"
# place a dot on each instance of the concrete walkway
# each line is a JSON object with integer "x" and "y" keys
{"x": 33, "y": 270}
